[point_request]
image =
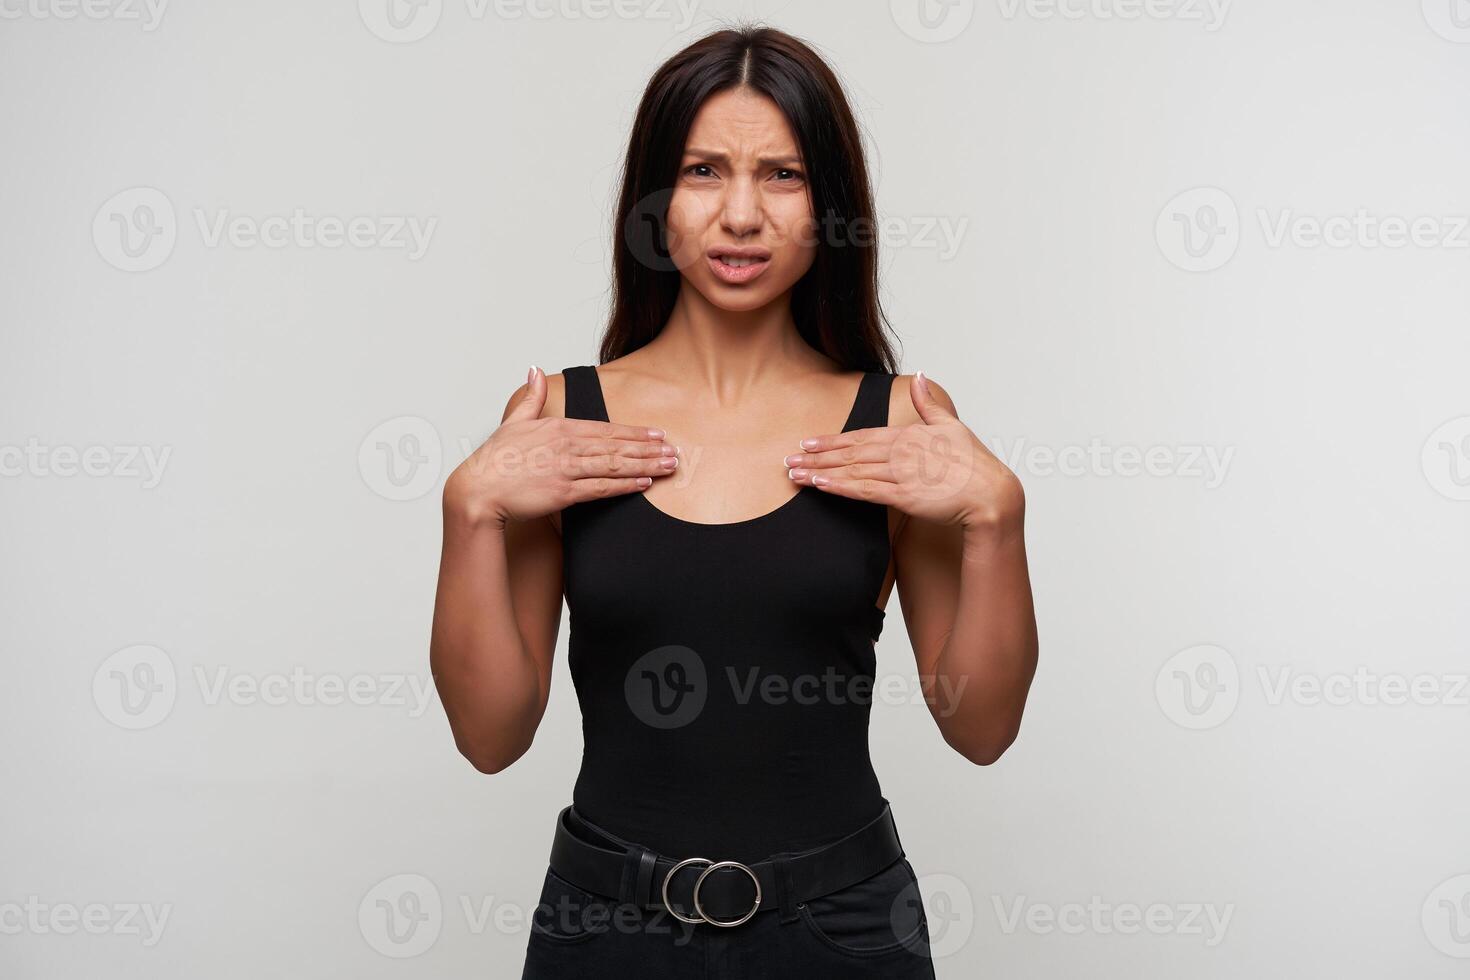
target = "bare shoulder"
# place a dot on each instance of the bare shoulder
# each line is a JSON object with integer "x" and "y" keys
{"x": 901, "y": 410}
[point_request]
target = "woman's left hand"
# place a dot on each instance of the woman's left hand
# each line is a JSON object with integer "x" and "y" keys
{"x": 936, "y": 470}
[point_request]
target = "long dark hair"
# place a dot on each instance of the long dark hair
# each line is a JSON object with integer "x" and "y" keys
{"x": 835, "y": 304}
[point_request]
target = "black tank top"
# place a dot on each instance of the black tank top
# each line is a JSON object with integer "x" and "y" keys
{"x": 725, "y": 671}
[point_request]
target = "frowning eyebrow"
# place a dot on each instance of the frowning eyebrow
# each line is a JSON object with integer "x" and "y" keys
{"x": 785, "y": 161}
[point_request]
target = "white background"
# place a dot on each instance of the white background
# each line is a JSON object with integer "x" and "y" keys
{"x": 1161, "y": 761}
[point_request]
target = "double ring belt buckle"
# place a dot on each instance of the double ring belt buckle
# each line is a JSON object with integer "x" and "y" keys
{"x": 713, "y": 866}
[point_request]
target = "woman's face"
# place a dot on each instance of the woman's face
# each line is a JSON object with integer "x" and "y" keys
{"x": 740, "y": 218}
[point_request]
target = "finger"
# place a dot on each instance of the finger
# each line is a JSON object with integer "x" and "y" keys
{"x": 865, "y": 488}
{"x": 866, "y": 450}
{"x": 600, "y": 487}
{"x": 614, "y": 465}
{"x": 928, "y": 407}
{"x": 882, "y": 470}
{"x": 631, "y": 448}
{"x": 852, "y": 437}
{"x": 530, "y": 404}
{"x": 593, "y": 428}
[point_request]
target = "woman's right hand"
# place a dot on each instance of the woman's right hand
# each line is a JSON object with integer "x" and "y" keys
{"x": 531, "y": 467}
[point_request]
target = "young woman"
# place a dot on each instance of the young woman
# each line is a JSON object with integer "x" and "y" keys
{"x": 726, "y": 500}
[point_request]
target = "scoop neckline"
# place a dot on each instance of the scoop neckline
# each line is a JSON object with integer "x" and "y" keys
{"x": 781, "y": 508}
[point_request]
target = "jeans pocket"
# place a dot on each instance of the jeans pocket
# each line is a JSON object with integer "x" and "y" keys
{"x": 881, "y": 914}
{"x": 568, "y": 914}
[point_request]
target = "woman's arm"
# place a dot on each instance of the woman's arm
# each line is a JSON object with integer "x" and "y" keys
{"x": 498, "y": 604}
{"x": 966, "y": 598}
{"x": 496, "y": 617}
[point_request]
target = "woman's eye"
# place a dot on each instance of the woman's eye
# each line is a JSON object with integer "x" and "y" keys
{"x": 698, "y": 166}
{"x": 794, "y": 174}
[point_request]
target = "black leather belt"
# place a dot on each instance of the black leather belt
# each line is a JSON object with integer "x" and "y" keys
{"x": 722, "y": 893}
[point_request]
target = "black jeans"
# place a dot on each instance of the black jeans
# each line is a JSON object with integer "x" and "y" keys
{"x": 873, "y": 929}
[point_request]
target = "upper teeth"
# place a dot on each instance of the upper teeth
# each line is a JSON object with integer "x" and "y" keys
{"x": 732, "y": 260}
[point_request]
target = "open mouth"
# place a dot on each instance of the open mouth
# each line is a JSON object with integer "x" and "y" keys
{"x": 738, "y": 265}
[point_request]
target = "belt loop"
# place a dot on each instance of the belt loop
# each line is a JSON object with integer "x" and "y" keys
{"x": 643, "y": 890}
{"x": 785, "y": 901}
{"x": 628, "y": 885}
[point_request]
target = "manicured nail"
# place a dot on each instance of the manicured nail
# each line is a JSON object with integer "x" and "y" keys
{"x": 792, "y": 460}
{"x": 531, "y": 374}
{"x": 796, "y": 474}
{"x": 655, "y": 433}
{"x": 809, "y": 443}
{"x": 820, "y": 481}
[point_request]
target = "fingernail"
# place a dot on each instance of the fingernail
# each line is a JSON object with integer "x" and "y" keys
{"x": 655, "y": 433}
{"x": 809, "y": 443}
{"x": 531, "y": 374}
{"x": 792, "y": 460}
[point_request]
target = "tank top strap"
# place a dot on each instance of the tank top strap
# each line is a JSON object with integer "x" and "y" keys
{"x": 583, "y": 393}
{"x": 870, "y": 409}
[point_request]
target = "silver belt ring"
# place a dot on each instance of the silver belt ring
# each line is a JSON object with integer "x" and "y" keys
{"x": 668, "y": 877}
{"x": 705, "y": 874}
